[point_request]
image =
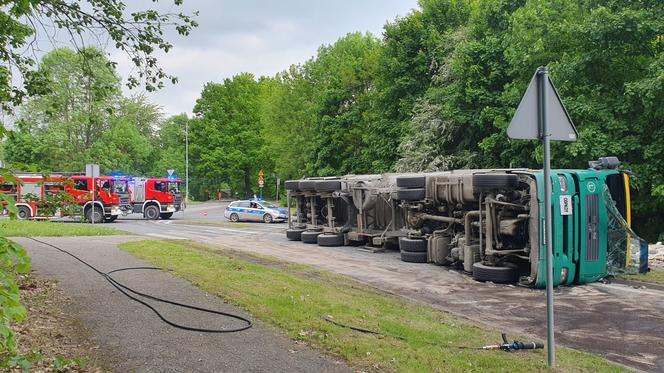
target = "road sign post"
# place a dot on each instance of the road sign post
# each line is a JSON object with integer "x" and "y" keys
{"x": 261, "y": 181}
{"x": 541, "y": 115}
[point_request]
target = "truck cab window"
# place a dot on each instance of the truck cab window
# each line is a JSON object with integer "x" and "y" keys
{"x": 81, "y": 184}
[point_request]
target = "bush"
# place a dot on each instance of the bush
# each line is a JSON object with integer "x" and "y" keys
{"x": 13, "y": 260}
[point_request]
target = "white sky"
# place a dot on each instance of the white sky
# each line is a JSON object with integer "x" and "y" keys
{"x": 258, "y": 36}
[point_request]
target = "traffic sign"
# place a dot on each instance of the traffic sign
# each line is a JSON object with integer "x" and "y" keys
{"x": 170, "y": 172}
{"x": 526, "y": 124}
{"x": 261, "y": 183}
{"x": 542, "y": 116}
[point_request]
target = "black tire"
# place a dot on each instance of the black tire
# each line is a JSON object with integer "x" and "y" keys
{"x": 495, "y": 181}
{"x": 267, "y": 219}
{"x": 307, "y": 185}
{"x": 411, "y": 257}
{"x": 292, "y": 185}
{"x": 234, "y": 218}
{"x": 166, "y": 215}
{"x": 294, "y": 234}
{"x": 331, "y": 240}
{"x": 23, "y": 213}
{"x": 411, "y": 181}
{"x": 328, "y": 185}
{"x": 413, "y": 245}
{"x": 309, "y": 236}
{"x": 151, "y": 212}
{"x": 111, "y": 218}
{"x": 94, "y": 213}
{"x": 501, "y": 275}
{"x": 416, "y": 194}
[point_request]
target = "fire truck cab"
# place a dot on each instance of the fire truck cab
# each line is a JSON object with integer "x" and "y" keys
{"x": 153, "y": 197}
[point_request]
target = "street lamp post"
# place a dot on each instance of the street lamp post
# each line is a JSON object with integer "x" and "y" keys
{"x": 186, "y": 159}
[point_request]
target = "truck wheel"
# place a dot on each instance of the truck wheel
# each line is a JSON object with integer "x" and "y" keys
{"x": 291, "y": 185}
{"x": 331, "y": 240}
{"x": 494, "y": 181}
{"x": 411, "y": 181}
{"x": 483, "y": 272}
{"x": 328, "y": 185}
{"x": 23, "y": 213}
{"x": 166, "y": 215}
{"x": 111, "y": 219}
{"x": 307, "y": 185}
{"x": 416, "y": 194}
{"x": 411, "y": 257}
{"x": 267, "y": 218}
{"x": 151, "y": 212}
{"x": 309, "y": 236}
{"x": 94, "y": 214}
{"x": 294, "y": 234}
{"x": 413, "y": 245}
{"x": 234, "y": 218}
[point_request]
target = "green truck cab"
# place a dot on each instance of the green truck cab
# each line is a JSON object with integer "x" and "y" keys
{"x": 580, "y": 229}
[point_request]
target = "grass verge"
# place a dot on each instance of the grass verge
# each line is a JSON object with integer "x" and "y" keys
{"x": 655, "y": 276}
{"x": 27, "y": 228}
{"x": 296, "y": 298}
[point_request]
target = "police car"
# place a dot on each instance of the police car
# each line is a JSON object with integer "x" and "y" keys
{"x": 255, "y": 210}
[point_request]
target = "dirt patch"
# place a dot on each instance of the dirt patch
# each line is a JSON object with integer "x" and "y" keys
{"x": 54, "y": 340}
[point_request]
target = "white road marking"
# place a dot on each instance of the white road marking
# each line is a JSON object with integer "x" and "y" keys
{"x": 164, "y": 236}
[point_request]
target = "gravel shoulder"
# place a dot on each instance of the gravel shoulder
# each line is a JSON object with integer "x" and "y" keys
{"x": 132, "y": 338}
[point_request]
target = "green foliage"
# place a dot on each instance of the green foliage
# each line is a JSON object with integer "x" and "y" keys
{"x": 83, "y": 118}
{"x": 140, "y": 34}
{"x": 227, "y": 146}
{"x": 13, "y": 261}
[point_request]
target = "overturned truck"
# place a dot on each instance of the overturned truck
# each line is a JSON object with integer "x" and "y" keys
{"x": 486, "y": 222}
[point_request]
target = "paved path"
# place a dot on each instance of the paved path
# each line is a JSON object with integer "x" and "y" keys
{"x": 616, "y": 321}
{"x": 132, "y": 338}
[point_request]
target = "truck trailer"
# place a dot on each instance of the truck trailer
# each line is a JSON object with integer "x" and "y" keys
{"x": 487, "y": 222}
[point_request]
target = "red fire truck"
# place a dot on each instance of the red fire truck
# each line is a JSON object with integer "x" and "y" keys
{"x": 153, "y": 197}
{"x": 94, "y": 196}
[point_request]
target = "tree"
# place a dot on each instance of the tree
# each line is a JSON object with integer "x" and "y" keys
{"x": 342, "y": 76}
{"x": 226, "y": 142}
{"x": 169, "y": 147}
{"x": 139, "y": 34}
{"x": 83, "y": 118}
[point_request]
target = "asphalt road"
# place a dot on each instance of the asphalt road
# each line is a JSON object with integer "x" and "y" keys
{"x": 133, "y": 339}
{"x": 619, "y": 322}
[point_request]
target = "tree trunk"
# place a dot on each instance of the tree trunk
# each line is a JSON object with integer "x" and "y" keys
{"x": 247, "y": 183}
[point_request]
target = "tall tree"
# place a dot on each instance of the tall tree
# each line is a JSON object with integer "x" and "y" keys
{"x": 140, "y": 34}
{"x": 227, "y": 145}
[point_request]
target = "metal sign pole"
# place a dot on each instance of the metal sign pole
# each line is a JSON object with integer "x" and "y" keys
{"x": 186, "y": 160}
{"x": 543, "y": 76}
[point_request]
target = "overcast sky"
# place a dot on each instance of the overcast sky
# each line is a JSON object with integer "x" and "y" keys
{"x": 258, "y": 36}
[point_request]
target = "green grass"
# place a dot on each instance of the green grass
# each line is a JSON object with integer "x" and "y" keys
{"x": 655, "y": 276}
{"x": 295, "y": 298}
{"x": 27, "y": 228}
{"x": 216, "y": 223}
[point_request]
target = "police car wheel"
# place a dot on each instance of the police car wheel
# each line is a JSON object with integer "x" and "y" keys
{"x": 234, "y": 218}
{"x": 267, "y": 218}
